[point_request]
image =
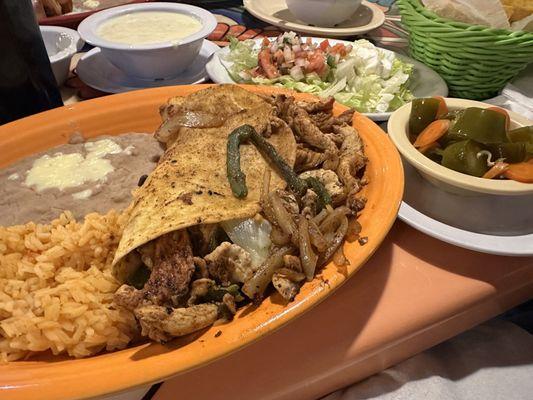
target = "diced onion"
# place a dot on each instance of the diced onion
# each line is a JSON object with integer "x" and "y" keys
{"x": 288, "y": 54}
{"x": 300, "y": 62}
{"x": 297, "y": 73}
{"x": 245, "y": 75}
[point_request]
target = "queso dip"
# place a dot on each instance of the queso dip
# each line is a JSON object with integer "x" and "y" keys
{"x": 149, "y": 27}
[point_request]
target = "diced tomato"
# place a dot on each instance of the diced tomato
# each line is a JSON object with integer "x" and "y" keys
{"x": 266, "y": 64}
{"x": 265, "y": 42}
{"x": 255, "y": 72}
{"x": 324, "y": 45}
{"x": 316, "y": 62}
{"x": 278, "y": 56}
{"x": 339, "y": 48}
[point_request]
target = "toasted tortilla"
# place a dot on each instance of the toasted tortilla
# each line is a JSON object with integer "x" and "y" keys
{"x": 190, "y": 187}
{"x": 216, "y": 102}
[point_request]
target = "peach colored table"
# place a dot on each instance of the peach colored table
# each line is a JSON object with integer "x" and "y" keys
{"x": 413, "y": 293}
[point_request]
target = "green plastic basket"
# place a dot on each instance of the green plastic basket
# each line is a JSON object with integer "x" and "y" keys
{"x": 475, "y": 61}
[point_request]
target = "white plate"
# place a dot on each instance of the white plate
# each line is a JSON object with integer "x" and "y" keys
{"x": 96, "y": 71}
{"x": 426, "y": 198}
{"x": 424, "y": 81}
{"x": 369, "y": 16}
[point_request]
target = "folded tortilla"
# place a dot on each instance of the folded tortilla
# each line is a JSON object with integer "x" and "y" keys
{"x": 190, "y": 187}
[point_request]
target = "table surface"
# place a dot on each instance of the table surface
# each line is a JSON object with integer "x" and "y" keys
{"x": 414, "y": 293}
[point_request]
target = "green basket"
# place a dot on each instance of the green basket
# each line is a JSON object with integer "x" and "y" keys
{"x": 475, "y": 61}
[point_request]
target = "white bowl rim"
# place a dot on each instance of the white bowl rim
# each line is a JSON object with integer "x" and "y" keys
{"x": 87, "y": 28}
{"x": 75, "y": 45}
{"x": 397, "y": 129}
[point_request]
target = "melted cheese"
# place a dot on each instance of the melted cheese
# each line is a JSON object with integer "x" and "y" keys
{"x": 84, "y": 194}
{"x": 62, "y": 171}
{"x": 149, "y": 27}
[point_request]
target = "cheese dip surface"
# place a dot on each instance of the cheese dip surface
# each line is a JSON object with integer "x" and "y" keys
{"x": 148, "y": 27}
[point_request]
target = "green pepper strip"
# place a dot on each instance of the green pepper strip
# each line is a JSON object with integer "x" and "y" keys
{"x": 237, "y": 178}
{"x": 323, "y": 195}
{"x": 216, "y": 293}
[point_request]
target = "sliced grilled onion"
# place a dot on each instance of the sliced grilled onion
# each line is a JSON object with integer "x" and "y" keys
{"x": 337, "y": 239}
{"x": 308, "y": 257}
{"x": 256, "y": 285}
{"x": 252, "y": 234}
{"x": 179, "y": 118}
{"x": 283, "y": 219}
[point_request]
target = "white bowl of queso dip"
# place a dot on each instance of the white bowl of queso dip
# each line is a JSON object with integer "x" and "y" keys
{"x": 149, "y": 40}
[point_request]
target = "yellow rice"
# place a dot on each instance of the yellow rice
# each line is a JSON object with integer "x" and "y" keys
{"x": 56, "y": 288}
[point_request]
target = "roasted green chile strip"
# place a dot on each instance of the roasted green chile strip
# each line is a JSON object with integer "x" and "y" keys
{"x": 216, "y": 293}
{"x": 237, "y": 178}
{"x": 323, "y": 195}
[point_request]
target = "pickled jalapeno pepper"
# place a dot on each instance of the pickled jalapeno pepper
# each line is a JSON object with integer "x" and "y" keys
{"x": 483, "y": 126}
{"x": 523, "y": 135}
{"x": 474, "y": 141}
{"x": 423, "y": 113}
{"x": 510, "y": 152}
{"x": 465, "y": 157}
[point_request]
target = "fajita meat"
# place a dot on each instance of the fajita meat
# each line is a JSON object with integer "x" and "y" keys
{"x": 189, "y": 186}
{"x": 195, "y": 233}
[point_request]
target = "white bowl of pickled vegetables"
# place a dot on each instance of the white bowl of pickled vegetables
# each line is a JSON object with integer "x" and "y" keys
{"x": 466, "y": 146}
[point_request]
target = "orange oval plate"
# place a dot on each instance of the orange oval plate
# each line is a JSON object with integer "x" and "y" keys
{"x": 64, "y": 378}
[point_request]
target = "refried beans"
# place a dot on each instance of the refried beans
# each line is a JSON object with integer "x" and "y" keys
{"x": 20, "y": 203}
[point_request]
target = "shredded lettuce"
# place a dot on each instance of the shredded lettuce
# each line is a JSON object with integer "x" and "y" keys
{"x": 242, "y": 57}
{"x": 369, "y": 79}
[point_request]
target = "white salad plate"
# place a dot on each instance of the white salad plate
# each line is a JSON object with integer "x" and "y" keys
{"x": 424, "y": 82}
{"x": 446, "y": 217}
{"x": 367, "y": 17}
{"x": 97, "y": 72}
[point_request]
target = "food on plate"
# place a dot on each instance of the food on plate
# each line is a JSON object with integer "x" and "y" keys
{"x": 82, "y": 177}
{"x": 358, "y": 75}
{"x": 56, "y": 288}
{"x": 517, "y": 9}
{"x": 253, "y": 194}
{"x": 474, "y": 141}
{"x": 54, "y": 8}
{"x": 148, "y": 27}
{"x": 499, "y": 14}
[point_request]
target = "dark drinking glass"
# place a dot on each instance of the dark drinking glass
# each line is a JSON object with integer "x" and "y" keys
{"x": 27, "y": 84}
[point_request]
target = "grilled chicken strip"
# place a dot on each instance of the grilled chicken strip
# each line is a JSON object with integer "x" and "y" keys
{"x": 309, "y": 133}
{"x": 162, "y": 323}
{"x": 171, "y": 274}
{"x": 352, "y": 160}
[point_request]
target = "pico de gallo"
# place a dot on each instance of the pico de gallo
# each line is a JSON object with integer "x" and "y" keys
{"x": 357, "y": 74}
